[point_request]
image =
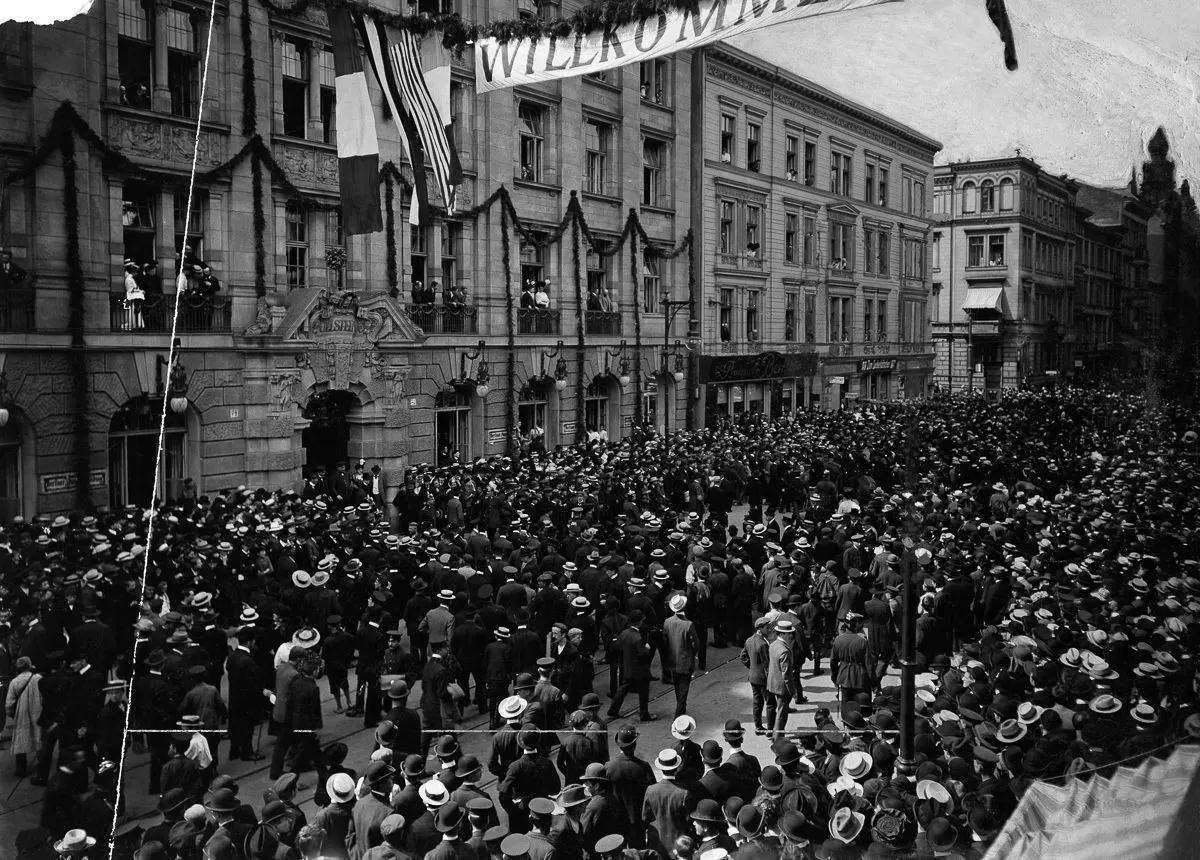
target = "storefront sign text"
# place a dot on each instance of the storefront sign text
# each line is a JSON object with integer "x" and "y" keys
{"x": 764, "y": 365}
{"x": 876, "y": 364}
{"x": 63, "y": 482}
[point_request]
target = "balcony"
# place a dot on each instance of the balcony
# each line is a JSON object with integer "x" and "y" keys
{"x": 841, "y": 348}
{"x": 196, "y": 315}
{"x": 841, "y": 272}
{"x": 746, "y": 261}
{"x": 16, "y": 309}
{"x": 445, "y": 319}
{"x": 909, "y": 347}
{"x": 603, "y": 322}
{"x": 876, "y": 347}
{"x": 538, "y": 321}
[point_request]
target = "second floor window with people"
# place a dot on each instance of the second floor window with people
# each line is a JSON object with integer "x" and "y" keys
{"x": 135, "y": 52}
{"x": 531, "y": 120}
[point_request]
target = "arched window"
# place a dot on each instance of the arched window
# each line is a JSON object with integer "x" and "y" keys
{"x": 987, "y": 196}
{"x": 18, "y": 478}
{"x": 969, "y": 194}
{"x": 452, "y": 428}
{"x": 1006, "y": 194}
{"x": 595, "y": 411}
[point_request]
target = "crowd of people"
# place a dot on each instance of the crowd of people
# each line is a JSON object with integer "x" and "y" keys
{"x": 1050, "y": 536}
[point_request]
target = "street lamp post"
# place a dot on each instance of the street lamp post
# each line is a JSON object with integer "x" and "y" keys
{"x": 906, "y": 764}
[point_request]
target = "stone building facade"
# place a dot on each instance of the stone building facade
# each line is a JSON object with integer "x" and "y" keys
{"x": 814, "y": 213}
{"x": 330, "y": 360}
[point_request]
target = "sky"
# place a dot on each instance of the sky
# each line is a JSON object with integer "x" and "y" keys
{"x": 1096, "y": 77}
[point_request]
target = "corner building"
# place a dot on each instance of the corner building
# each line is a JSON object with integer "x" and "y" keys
{"x": 814, "y": 217}
{"x": 316, "y": 349}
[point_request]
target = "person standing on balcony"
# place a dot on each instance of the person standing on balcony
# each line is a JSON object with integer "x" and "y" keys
{"x": 541, "y": 296}
{"x": 153, "y": 309}
{"x": 11, "y": 275}
{"x": 135, "y": 297}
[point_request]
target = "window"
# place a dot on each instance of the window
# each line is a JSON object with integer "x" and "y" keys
{"x": 810, "y": 162}
{"x": 914, "y": 258}
{"x": 881, "y": 326}
{"x": 941, "y": 197}
{"x": 451, "y": 243}
{"x": 810, "y": 317}
{"x": 937, "y": 252}
{"x": 840, "y": 310}
{"x": 1006, "y": 194}
{"x": 460, "y": 113}
{"x": 884, "y": 255}
{"x": 841, "y": 245}
{"x": 651, "y": 284}
{"x": 531, "y": 410}
{"x": 328, "y": 99}
{"x": 595, "y": 413}
{"x": 183, "y": 63}
{"x": 868, "y": 319}
{"x": 605, "y": 77}
{"x": 996, "y": 250}
{"x": 790, "y": 237}
{"x": 839, "y": 173}
{"x": 296, "y": 247}
{"x": 912, "y": 322}
{"x": 335, "y": 240}
{"x": 726, "y": 242}
{"x": 451, "y": 426}
{"x": 969, "y": 193}
{"x": 752, "y": 213}
{"x": 868, "y": 250}
{"x": 598, "y": 271}
{"x": 752, "y": 297}
{"x": 531, "y": 120}
{"x": 135, "y": 52}
{"x": 655, "y": 81}
{"x": 653, "y": 163}
{"x": 137, "y": 221}
{"x": 791, "y": 158}
{"x": 533, "y": 259}
{"x": 295, "y": 87}
{"x": 789, "y": 316}
{"x": 883, "y": 186}
{"x": 726, "y": 315}
{"x": 869, "y": 183}
{"x": 975, "y": 251}
{"x": 810, "y": 240}
{"x": 753, "y": 146}
{"x": 987, "y": 196}
{"x": 726, "y": 138}
{"x": 195, "y": 226}
{"x": 598, "y": 138}
{"x": 418, "y": 250}
{"x": 919, "y": 199}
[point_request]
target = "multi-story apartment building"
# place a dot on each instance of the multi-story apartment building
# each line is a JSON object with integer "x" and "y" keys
{"x": 316, "y": 348}
{"x": 814, "y": 217}
{"x": 1117, "y": 307}
{"x": 1004, "y": 250}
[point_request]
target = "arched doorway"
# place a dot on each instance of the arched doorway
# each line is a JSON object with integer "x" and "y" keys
{"x": 326, "y": 439}
{"x": 133, "y": 451}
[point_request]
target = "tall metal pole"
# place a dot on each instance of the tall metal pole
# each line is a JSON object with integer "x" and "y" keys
{"x": 906, "y": 765}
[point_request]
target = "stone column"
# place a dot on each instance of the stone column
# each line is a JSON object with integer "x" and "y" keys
{"x": 276, "y": 81}
{"x": 315, "y": 128}
{"x": 161, "y": 97}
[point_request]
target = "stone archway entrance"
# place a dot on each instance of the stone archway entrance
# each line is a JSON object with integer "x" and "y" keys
{"x": 326, "y": 439}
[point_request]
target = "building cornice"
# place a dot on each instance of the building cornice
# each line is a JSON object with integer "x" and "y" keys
{"x": 771, "y": 81}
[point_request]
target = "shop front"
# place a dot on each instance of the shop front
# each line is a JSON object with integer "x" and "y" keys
{"x": 767, "y": 383}
{"x": 877, "y": 379}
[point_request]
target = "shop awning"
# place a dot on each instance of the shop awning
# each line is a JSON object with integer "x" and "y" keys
{"x": 984, "y": 299}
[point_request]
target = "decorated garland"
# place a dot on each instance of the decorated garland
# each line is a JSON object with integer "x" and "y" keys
{"x": 260, "y": 227}
{"x": 638, "y": 418}
{"x": 249, "y": 96}
{"x": 510, "y": 422}
{"x": 77, "y": 355}
{"x": 580, "y": 304}
{"x": 690, "y": 241}
{"x": 389, "y": 230}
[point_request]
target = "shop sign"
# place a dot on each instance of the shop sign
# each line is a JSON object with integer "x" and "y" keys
{"x": 626, "y": 420}
{"x": 837, "y": 380}
{"x": 567, "y": 428}
{"x": 764, "y": 365}
{"x": 496, "y": 437}
{"x": 63, "y": 482}
{"x": 875, "y": 364}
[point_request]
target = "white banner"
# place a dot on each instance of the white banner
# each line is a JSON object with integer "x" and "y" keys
{"x": 525, "y": 61}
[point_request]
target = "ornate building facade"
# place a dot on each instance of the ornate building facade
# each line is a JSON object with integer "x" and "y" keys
{"x": 814, "y": 217}
{"x": 301, "y": 346}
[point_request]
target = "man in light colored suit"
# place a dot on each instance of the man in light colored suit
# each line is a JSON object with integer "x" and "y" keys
{"x": 781, "y": 685}
{"x": 682, "y": 645}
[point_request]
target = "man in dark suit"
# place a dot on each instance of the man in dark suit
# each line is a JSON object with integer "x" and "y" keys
{"x": 370, "y": 811}
{"x": 371, "y": 644}
{"x": 525, "y": 647}
{"x": 720, "y": 780}
{"x": 245, "y": 698}
{"x": 667, "y": 805}
{"x": 497, "y": 670}
{"x": 407, "y": 722}
{"x": 635, "y": 653}
{"x": 743, "y": 764}
{"x": 95, "y": 639}
{"x": 850, "y": 663}
{"x": 155, "y": 703}
{"x": 532, "y": 775}
{"x": 630, "y": 777}
{"x": 304, "y": 718}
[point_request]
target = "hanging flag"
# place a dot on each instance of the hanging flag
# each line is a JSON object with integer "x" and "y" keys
{"x": 357, "y": 142}
{"x": 435, "y": 60}
{"x": 382, "y": 60}
{"x": 43, "y": 11}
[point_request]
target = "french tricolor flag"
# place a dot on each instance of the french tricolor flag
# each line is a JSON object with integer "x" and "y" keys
{"x": 357, "y": 141}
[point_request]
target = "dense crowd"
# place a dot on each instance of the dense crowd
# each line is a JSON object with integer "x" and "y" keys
{"x": 1051, "y": 538}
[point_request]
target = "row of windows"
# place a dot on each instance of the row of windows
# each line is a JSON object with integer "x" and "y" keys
{"x": 740, "y": 311}
{"x": 800, "y": 164}
{"x": 801, "y": 241}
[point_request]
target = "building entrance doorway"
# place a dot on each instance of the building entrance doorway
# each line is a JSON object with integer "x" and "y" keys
{"x": 327, "y": 439}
